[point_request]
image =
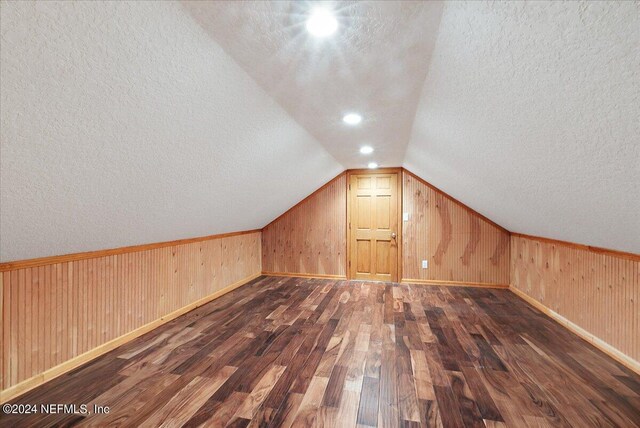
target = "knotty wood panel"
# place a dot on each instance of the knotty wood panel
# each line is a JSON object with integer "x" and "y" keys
{"x": 459, "y": 244}
{"x": 311, "y": 237}
{"x": 597, "y": 292}
{"x": 53, "y": 313}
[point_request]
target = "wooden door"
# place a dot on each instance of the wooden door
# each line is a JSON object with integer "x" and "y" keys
{"x": 373, "y": 226}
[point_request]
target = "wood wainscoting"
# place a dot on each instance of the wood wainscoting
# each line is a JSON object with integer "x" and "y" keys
{"x": 594, "y": 293}
{"x": 459, "y": 244}
{"x": 59, "y": 315}
{"x": 311, "y": 237}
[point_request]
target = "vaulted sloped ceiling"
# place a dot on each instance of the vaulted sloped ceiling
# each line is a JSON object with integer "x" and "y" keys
{"x": 124, "y": 123}
{"x": 530, "y": 114}
{"x": 374, "y": 64}
{"x": 131, "y": 122}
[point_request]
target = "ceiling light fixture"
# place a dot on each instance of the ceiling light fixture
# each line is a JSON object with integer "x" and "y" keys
{"x": 352, "y": 118}
{"x": 372, "y": 165}
{"x": 322, "y": 22}
{"x": 365, "y": 150}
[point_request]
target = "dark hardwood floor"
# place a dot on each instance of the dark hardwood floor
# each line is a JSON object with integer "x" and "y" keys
{"x": 308, "y": 352}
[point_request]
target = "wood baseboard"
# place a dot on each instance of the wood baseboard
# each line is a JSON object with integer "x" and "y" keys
{"x": 453, "y": 283}
{"x": 403, "y": 281}
{"x": 305, "y": 275}
{"x": 52, "y": 373}
{"x": 614, "y": 353}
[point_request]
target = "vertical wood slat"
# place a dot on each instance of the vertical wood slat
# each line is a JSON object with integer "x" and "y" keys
{"x": 12, "y": 349}
{"x": 311, "y": 237}
{"x": 459, "y": 245}
{"x": 3, "y": 330}
{"x": 597, "y": 292}
{"x": 53, "y": 313}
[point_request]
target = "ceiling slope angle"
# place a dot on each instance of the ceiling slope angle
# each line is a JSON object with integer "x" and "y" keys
{"x": 530, "y": 114}
{"x": 123, "y": 123}
{"x": 374, "y": 63}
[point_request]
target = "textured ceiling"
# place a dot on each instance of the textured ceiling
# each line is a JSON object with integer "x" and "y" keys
{"x": 375, "y": 64}
{"x": 130, "y": 122}
{"x": 123, "y": 123}
{"x": 530, "y": 114}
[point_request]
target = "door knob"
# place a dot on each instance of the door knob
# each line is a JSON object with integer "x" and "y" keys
{"x": 393, "y": 235}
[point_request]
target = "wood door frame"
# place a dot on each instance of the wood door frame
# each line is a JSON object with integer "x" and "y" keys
{"x": 399, "y": 186}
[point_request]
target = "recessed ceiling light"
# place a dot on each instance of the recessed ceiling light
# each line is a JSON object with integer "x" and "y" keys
{"x": 322, "y": 22}
{"x": 365, "y": 150}
{"x": 372, "y": 165}
{"x": 352, "y": 119}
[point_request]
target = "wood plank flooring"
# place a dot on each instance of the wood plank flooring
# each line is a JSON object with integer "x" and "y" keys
{"x": 310, "y": 352}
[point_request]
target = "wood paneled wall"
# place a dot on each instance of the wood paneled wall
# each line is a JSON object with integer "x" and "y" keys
{"x": 597, "y": 292}
{"x": 460, "y": 245}
{"x": 310, "y": 238}
{"x": 54, "y": 313}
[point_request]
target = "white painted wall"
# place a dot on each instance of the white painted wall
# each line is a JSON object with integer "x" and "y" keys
{"x": 124, "y": 123}
{"x": 530, "y": 114}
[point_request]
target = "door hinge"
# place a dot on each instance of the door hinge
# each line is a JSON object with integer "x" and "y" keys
{"x": 349, "y": 225}
{"x": 349, "y": 263}
{"x": 349, "y": 186}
